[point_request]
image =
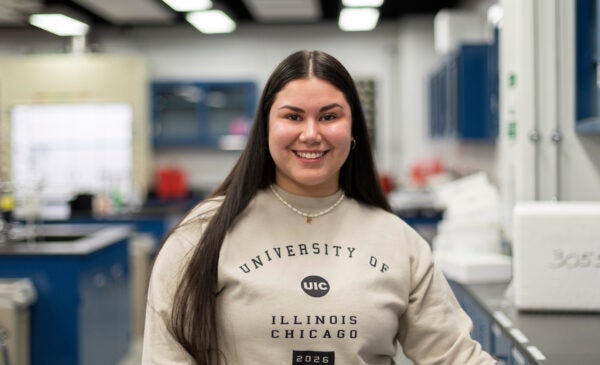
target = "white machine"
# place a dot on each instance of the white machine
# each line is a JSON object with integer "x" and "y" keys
{"x": 16, "y": 296}
{"x": 556, "y": 256}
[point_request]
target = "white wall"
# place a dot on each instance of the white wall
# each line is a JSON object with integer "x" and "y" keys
{"x": 416, "y": 59}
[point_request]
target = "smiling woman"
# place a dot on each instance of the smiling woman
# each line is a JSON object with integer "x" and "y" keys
{"x": 299, "y": 227}
{"x": 310, "y": 127}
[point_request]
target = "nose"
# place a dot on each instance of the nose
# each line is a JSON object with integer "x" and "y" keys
{"x": 310, "y": 131}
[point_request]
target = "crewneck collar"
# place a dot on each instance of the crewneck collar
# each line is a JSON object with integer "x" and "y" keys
{"x": 308, "y": 204}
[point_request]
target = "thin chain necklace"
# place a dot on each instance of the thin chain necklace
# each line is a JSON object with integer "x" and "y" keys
{"x": 309, "y": 216}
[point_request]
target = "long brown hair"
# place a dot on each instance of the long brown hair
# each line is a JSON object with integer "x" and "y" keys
{"x": 194, "y": 319}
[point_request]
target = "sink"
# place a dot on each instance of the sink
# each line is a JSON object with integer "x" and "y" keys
{"x": 63, "y": 239}
{"x": 54, "y": 233}
{"x": 47, "y": 238}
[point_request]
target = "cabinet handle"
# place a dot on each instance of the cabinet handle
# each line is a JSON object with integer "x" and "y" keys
{"x": 534, "y": 136}
{"x": 100, "y": 280}
{"x": 556, "y": 136}
{"x": 116, "y": 271}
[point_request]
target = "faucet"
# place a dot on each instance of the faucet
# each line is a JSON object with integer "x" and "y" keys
{"x": 6, "y": 218}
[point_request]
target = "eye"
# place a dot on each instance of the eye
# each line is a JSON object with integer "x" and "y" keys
{"x": 293, "y": 116}
{"x": 329, "y": 116}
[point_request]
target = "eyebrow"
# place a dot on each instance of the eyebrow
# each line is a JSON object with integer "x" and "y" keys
{"x": 300, "y": 110}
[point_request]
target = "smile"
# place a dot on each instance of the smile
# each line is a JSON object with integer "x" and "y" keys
{"x": 309, "y": 155}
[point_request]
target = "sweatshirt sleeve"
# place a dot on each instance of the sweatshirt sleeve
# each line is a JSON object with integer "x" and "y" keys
{"x": 434, "y": 329}
{"x": 159, "y": 343}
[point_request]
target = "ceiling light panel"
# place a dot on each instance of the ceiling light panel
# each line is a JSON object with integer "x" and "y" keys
{"x": 211, "y": 21}
{"x": 362, "y": 3}
{"x": 284, "y": 10}
{"x": 130, "y": 11}
{"x": 358, "y": 19}
{"x": 59, "y": 24}
{"x": 188, "y": 5}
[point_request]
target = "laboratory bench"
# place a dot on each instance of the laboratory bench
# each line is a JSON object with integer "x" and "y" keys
{"x": 155, "y": 218}
{"x": 81, "y": 275}
{"x": 528, "y": 338}
{"x": 90, "y": 273}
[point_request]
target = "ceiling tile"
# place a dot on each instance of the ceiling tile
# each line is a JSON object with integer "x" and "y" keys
{"x": 14, "y": 11}
{"x": 284, "y": 10}
{"x": 129, "y": 11}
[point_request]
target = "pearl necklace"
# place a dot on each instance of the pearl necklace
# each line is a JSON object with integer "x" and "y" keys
{"x": 309, "y": 216}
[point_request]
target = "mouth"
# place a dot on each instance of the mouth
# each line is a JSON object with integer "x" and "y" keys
{"x": 310, "y": 155}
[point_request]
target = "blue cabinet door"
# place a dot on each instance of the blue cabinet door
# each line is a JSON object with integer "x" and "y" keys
{"x": 81, "y": 315}
{"x": 104, "y": 326}
{"x": 481, "y": 321}
{"x": 587, "y": 60}
{"x": 464, "y": 94}
{"x": 201, "y": 114}
{"x": 177, "y": 113}
{"x": 471, "y": 88}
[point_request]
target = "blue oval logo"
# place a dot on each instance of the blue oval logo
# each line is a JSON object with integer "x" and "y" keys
{"x": 315, "y": 286}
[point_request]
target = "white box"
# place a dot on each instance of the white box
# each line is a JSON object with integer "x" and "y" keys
{"x": 556, "y": 256}
{"x": 474, "y": 268}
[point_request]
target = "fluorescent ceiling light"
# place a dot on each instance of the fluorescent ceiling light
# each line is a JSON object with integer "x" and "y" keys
{"x": 189, "y": 5}
{"x": 495, "y": 14}
{"x": 211, "y": 21}
{"x": 358, "y": 19}
{"x": 59, "y": 24}
{"x": 362, "y": 3}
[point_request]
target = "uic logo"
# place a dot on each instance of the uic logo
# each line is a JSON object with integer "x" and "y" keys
{"x": 315, "y": 286}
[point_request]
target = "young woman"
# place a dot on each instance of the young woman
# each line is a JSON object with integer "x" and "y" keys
{"x": 296, "y": 258}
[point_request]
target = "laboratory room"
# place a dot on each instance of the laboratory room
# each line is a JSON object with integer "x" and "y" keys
{"x": 426, "y": 184}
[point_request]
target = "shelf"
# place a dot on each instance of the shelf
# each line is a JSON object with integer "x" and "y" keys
{"x": 588, "y": 126}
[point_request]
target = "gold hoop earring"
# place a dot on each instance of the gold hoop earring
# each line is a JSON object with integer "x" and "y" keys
{"x": 352, "y": 143}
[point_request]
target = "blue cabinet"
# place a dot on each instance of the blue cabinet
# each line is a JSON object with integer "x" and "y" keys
{"x": 588, "y": 57}
{"x": 104, "y": 312}
{"x": 501, "y": 345}
{"x": 437, "y": 104}
{"x": 482, "y": 323}
{"x": 516, "y": 337}
{"x": 492, "y": 337}
{"x": 202, "y": 114}
{"x": 81, "y": 315}
{"x": 463, "y": 94}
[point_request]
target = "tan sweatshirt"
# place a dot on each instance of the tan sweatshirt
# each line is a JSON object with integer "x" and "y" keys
{"x": 343, "y": 289}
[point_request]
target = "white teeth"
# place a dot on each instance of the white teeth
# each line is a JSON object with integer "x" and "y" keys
{"x": 310, "y": 155}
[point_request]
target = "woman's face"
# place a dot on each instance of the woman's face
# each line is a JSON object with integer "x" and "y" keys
{"x": 310, "y": 129}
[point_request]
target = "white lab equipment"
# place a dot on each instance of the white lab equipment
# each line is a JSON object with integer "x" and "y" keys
{"x": 16, "y": 296}
{"x": 556, "y": 256}
{"x": 468, "y": 246}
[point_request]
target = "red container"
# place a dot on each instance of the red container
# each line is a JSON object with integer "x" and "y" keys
{"x": 171, "y": 183}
